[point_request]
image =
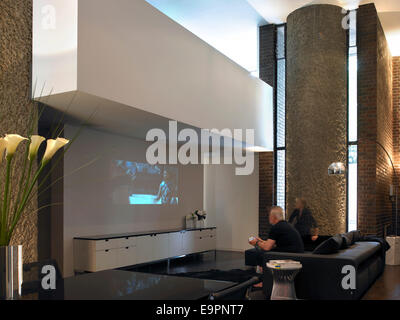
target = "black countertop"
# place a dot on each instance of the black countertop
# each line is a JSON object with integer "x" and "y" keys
{"x": 137, "y": 234}
{"x": 127, "y": 285}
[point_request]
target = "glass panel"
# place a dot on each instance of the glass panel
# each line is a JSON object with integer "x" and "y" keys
{"x": 281, "y": 104}
{"x": 353, "y": 28}
{"x": 352, "y": 203}
{"x": 281, "y": 118}
{"x": 352, "y": 188}
{"x": 353, "y": 118}
{"x": 353, "y": 51}
{"x": 281, "y": 178}
{"x": 280, "y": 42}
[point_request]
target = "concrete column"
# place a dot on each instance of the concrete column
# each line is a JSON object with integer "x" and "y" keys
{"x": 317, "y": 112}
{"x": 15, "y": 102}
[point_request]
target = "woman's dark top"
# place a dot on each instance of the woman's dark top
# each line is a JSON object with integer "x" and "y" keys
{"x": 304, "y": 222}
{"x": 287, "y": 238}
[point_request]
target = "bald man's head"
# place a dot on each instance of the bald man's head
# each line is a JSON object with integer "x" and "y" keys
{"x": 276, "y": 214}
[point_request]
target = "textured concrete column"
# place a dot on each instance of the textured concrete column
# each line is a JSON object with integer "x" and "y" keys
{"x": 15, "y": 102}
{"x": 317, "y": 112}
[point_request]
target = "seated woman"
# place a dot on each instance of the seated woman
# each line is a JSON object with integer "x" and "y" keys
{"x": 304, "y": 222}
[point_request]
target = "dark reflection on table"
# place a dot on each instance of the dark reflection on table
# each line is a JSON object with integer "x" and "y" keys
{"x": 126, "y": 285}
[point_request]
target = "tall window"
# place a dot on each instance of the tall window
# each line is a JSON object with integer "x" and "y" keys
{"x": 352, "y": 212}
{"x": 280, "y": 117}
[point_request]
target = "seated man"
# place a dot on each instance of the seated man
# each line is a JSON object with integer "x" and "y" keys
{"x": 283, "y": 237}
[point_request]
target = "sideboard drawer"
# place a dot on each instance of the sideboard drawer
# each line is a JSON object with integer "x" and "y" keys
{"x": 106, "y": 259}
{"x": 126, "y": 256}
{"x": 128, "y": 242}
{"x": 108, "y": 244}
{"x": 207, "y": 233}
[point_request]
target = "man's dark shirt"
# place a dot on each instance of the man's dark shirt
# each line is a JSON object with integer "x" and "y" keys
{"x": 287, "y": 238}
{"x": 303, "y": 223}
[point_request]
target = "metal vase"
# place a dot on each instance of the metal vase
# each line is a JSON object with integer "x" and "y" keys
{"x": 10, "y": 272}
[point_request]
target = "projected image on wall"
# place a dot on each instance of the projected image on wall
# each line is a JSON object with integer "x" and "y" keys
{"x": 138, "y": 183}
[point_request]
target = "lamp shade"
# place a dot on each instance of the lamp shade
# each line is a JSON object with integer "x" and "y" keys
{"x": 336, "y": 168}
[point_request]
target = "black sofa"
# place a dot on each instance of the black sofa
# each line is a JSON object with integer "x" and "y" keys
{"x": 321, "y": 276}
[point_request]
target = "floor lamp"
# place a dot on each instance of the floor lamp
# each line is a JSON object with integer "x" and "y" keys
{"x": 338, "y": 168}
{"x": 393, "y": 193}
{"x": 393, "y": 255}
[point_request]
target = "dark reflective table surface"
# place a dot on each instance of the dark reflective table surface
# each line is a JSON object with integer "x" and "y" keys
{"x": 126, "y": 285}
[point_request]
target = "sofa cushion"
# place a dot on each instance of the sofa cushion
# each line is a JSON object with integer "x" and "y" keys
{"x": 332, "y": 245}
{"x": 347, "y": 240}
{"x": 310, "y": 245}
{"x": 356, "y": 235}
{"x": 359, "y": 252}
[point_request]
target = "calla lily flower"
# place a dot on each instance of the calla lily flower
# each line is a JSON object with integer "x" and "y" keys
{"x": 13, "y": 140}
{"x": 36, "y": 141}
{"x": 53, "y": 145}
{"x": 3, "y": 145}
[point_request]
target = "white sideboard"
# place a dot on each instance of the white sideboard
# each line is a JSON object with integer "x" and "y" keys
{"x": 96, "y": 253}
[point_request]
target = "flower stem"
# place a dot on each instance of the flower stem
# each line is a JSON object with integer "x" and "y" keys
{"x": 4, "y": 219}
{"x": 24, "y": 201}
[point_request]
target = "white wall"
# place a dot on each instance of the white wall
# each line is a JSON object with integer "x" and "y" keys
{"x": 128, "y": 52}
{"x": 232, "y": 205}
{"x": 131, "y": 53}
{"x": 88, "y": 205}
{"x": 55, "y": 46}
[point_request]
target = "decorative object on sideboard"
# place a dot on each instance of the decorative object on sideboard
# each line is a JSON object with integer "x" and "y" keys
{"x": 196, "y": 220}
{"x": 12, "y": 208}
{"x": 190, "y": 221}
{"x": 201, "y": 219}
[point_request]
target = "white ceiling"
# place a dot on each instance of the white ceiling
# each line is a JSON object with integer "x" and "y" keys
{"x": 231, "y": 26}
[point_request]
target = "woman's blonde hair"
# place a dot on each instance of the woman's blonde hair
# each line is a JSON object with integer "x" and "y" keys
{"x": 303, "y": 201}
